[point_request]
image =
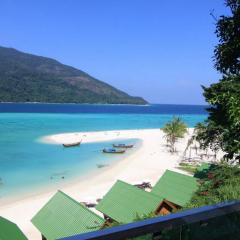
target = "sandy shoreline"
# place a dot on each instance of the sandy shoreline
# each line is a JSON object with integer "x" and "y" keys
{"x": 90, "y": 137}
{"x": 148, "y": 162}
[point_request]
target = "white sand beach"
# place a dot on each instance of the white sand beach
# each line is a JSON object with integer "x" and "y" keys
{"x": 147, "y": 163}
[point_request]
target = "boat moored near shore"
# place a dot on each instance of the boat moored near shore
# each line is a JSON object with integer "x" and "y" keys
{"x": 75, "y": 144}
{"x": 113, "y": 150}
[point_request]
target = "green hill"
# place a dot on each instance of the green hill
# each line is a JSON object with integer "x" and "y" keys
{"x": 30, "y": 78}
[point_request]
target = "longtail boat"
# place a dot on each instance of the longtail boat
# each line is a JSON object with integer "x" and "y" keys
{"x": 75, "y": 144}
{"x": 113, "y": 150}
{"x": 122, "y": 145}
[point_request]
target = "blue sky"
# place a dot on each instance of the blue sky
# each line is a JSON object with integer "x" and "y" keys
{"x": 158, "y": 49}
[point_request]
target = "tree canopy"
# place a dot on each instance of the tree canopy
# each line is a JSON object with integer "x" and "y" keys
{"x": 218, "y": 184}
{"x": 222, "y": 128}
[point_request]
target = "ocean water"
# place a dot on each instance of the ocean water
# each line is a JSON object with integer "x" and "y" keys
{"x": 27, "y": 164}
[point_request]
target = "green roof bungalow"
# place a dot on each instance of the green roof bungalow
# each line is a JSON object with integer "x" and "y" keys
{"x": 176, "y": 187}
{"x": 124, "y": 203}
{"x": 62, "y": 217}
{"x": 10, "y": 231}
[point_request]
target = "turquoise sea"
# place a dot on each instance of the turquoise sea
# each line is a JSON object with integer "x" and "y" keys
{"x": 27, "y": 164}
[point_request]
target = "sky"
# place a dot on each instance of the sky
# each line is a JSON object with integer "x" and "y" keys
{"x": 160, "y": 50}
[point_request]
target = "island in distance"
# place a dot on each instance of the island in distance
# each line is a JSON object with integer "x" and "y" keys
{"x": 29, "y": 78}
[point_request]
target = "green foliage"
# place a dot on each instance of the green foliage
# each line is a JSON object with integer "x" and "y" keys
{"x": 222, "y": 128}
{"x": 227, "y": 52}
{"x": 145, "y": 216}
{"x": 173, "y": 131}
{"x": 28, "y": 78}
{"x": 219, "y": 183}
{"x": 223, "y": 124}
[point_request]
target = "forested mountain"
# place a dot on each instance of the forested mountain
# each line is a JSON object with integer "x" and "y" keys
{"x": 30, "y": 78}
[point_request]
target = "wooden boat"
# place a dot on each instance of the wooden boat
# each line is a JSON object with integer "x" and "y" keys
{"x": 122, "y": 145}
{"x": 72, "y": 144}
{"x": 113, "y": 150}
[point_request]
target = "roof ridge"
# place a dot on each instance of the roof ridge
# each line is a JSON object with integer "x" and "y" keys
{"x": 137, "y": 189}
{"x": 128, "y": 184}
{"x": 78, "y": 203}
{"x": 155, "y": 195}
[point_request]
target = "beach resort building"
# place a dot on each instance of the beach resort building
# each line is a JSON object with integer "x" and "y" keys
{"x": 10, "y": 231}
{"x": 124, "y": 203}
{"x": 175, "y": 187}
{"x": 62, "y": 216}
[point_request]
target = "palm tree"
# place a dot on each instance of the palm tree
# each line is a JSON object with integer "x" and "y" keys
{"x": 173, "y": 131}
